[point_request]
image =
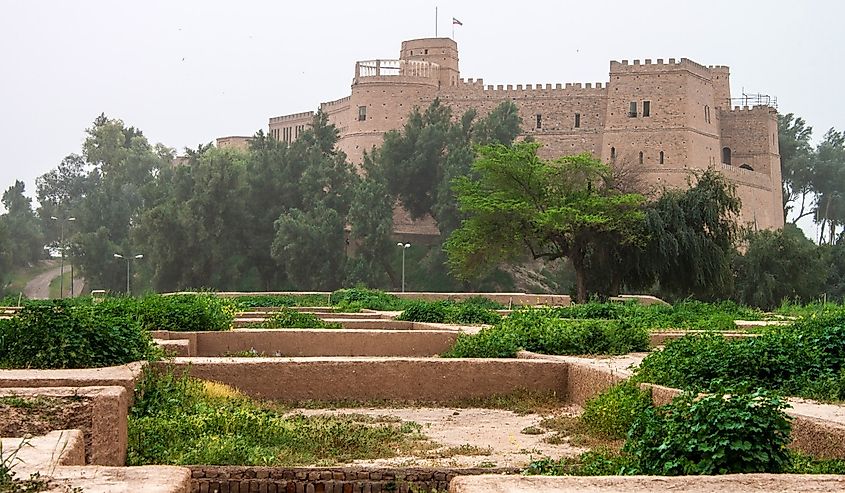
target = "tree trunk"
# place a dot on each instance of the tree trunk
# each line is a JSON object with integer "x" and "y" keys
{"x": 580, "y": 278}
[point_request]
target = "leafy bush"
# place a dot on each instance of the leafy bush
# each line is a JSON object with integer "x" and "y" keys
{"x": 292, "y": 319}
{"x": 63, "y": 334}
{"x": 540, "y": 330}
{"x": 424, "y": 311}
{"x": 469, "y": 311}
{"x": 180, "y": 420}
{"x": 806, "y": 358}
{"x": 712, "y": 434}
{"x": 186, "y": 312}
{"x": 254, "y": 301}
{"x": 366, "y": 298}
{"x": 687, "y": 314}
{"x": 611, "y": 413}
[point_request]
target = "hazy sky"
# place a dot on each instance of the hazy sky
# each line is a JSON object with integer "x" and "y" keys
{"x": 186, "y": 72}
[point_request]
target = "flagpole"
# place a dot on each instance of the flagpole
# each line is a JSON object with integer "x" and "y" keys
{"x": 435, "y": 21}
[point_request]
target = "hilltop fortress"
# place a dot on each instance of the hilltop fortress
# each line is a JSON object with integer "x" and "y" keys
{"x": 664, "y": 118}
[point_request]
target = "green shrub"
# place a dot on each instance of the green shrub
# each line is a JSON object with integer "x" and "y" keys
{"x": 63, "y": 334}
{"x": 806, "y": 358}
{"x": 611, "y": 413}
{"x": 712, "y": 434}
{"x": 469, "y": 311}
{"x": 540, "y": 330}
{"x": 186, "y": 312}
{"x": 424, "y": 311}
{"x": 292, "y": 319}
{"x": 371, "y": 299}
{"x": 261, "y": 300}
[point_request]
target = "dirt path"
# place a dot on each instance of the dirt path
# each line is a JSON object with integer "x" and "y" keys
{"x": 488, "y": 437}
{"x": 38, "y": 288}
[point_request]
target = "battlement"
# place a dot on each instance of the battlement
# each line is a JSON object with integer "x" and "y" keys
{"x": 569, "y": 88}
{"x": 672, "y": 64}
{"x": 292, "y": 117}
{"x": 763, "y": 109}
{"x": 337, "y": 102}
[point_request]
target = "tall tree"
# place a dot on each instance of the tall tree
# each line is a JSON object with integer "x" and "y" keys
{"x": 797, "y": 164}
{"x": 691, "y": 239}
{"x": 24, "y": 240}
{"x": 829, "y": 185}
{"x": 520, "y": 204}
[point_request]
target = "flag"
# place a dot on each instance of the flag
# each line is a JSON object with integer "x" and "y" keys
{"x": 456, "y": 21}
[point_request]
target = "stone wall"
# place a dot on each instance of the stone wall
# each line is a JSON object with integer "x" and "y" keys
{"x": 238, "y": 479}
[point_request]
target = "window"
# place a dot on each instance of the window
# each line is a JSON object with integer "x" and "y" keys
{"x": 707, "y": 114}
{"x": 577, "y": 120}
{"x": 539, "y": 121}
{"x": 661, "y": 157}
{"x": 726, "y": 155}
{"x": 362, "y": 113}
{"x": 612, "y": 154}
{"x": 646, "y": 108}
{"x": 641, "y": 157}
{"x": 632, "y": 110}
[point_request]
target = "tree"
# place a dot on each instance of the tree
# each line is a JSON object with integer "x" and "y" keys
{"x": 797, "y": 164}
{"x": 778, "y": 265}
{"x": 522, "y": 204}
{"x": 310, "y": 248}
{"x": 24, "y": 241}
{"x": 691, "y": 240}
{"x": 829, "y": 185}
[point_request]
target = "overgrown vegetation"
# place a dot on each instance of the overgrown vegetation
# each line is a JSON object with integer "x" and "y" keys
{"x": 64, "y": 334}
{"x": 181, "y": 420}
{"x": 540, "y": 330}
{"x": 287, "y": 318}
{"x": 470, "y": 311}
{"x": 687, "y": 314}
{"x": 362, "y": 298}
{"x": 806, "y": 358}
{"x": 258, "y": 301}
{"x": 719, "y": 433}
{"x": 185, "y": 312}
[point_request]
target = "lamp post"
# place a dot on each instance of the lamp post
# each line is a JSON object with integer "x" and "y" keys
{"x": 128, "y": 261}
{"x": 403, "y": 246}
{"x": 62, "y": 248}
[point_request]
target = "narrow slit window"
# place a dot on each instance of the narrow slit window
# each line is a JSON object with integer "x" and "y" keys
{"x": 362, "y": 113}
{"x": 632, "y": 109}
{"x": 612, "y": 154}
{"x": 646, "y": 108}
{"x": 539, "y": 121}
{"x": 661, "y": 157}
{"x": 577, "y": 120}
{"x": 641, "y": 157}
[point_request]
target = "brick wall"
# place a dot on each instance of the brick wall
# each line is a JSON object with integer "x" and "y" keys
{"x": 238, "y": 479}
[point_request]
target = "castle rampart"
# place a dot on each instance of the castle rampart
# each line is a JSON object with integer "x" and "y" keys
{"x": 668, "y": 117}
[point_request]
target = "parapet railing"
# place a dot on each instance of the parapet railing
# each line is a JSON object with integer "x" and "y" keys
{"x": 393, "y": 68}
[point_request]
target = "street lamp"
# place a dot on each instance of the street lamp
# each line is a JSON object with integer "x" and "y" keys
{"x": 128, "y": 261}
{"x": 403, "y": 246}
{"x": 62, "y": 248}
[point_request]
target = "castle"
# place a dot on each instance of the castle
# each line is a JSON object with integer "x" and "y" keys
{"x": 664, "y": 118}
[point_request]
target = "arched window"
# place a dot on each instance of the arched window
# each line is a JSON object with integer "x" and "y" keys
{"x": 612, "y": 154}
{"x": 661, "y": 157}
{"x": 641, "y": 157}
{"x": 746, "y": 166}
{"x": 726, "y": 155}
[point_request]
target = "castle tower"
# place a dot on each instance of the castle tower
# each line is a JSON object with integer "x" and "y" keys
{"x": 442, "y": 51}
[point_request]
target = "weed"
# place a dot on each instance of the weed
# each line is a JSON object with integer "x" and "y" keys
{"x": 287, "y": 318}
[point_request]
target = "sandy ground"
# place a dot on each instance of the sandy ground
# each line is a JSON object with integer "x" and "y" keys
{"x": 496, "y": 434}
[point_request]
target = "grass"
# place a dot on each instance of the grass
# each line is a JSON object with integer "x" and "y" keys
{"x": 519, "y": 402}
{"x": 56, "y": 286}
{"x": 180, "y": 420}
